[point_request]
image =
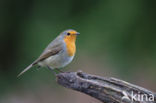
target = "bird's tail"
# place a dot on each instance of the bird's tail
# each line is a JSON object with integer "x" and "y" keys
{"x": 26, "y": 69}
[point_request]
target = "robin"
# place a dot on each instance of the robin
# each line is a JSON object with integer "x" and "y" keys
{"x": 59, "y": 53}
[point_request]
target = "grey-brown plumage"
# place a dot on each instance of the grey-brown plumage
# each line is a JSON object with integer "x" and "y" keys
{"x": 54, "y": 48}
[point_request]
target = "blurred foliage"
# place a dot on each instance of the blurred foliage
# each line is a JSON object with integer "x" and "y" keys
{"x": 121, "y": 32}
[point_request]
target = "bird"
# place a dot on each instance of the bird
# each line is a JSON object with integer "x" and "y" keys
{"x": 59, "y": 53}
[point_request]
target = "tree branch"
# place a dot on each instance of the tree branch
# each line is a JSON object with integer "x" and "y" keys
{"x": 107, "y": 90}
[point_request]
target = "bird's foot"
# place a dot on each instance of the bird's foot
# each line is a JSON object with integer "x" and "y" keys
{"x": 59, "y": 70}
{"x": 51, "y": 69}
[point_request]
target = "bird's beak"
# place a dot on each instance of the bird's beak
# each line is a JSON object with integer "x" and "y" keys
{"x": 77, "y": 33}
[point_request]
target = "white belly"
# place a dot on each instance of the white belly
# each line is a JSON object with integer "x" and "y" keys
{"x": 57, "y": 61}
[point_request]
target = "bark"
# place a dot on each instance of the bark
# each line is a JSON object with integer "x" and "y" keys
{"x": 106, "y": 89}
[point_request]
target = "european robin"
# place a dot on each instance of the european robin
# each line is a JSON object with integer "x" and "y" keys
{"x": 59, "y": 53}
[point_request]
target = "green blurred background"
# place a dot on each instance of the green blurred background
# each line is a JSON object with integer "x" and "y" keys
{"x": 118, "y": 39}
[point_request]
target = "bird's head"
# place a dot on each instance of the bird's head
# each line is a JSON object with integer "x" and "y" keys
{"x": 70, "y": 35}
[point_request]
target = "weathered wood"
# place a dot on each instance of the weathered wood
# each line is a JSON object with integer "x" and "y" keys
{"x": 106, "y": 89}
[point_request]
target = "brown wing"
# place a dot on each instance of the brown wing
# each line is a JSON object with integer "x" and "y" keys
{"x": 49, "y": 51}
{"x": 55, "y": 47}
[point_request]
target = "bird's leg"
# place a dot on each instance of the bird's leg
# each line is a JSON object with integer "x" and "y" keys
{"x": 55, "y": 72}
{"x": 51, "y": 69}
{"x": 59, "y": 70}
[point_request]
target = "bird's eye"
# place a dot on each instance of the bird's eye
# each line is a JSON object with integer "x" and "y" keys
{"x": 68, "y": 33}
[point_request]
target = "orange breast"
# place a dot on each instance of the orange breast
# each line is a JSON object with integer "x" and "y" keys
{"x": 70, "y": 44}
